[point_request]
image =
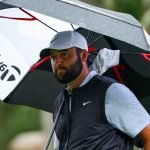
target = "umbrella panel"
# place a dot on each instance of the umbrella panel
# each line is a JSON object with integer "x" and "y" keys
{"x": 146, "y": 103}
{"x": 4, "y": 6}
{"x": 131, "y": 54}
{"x": 136, "y": 83}
{"x": 38, "y": 89}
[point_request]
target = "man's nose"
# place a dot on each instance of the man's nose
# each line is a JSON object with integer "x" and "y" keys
{"x": 58, "y": 60}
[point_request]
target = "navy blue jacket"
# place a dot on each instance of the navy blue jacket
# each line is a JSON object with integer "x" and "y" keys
{"x": 86, "y": 126}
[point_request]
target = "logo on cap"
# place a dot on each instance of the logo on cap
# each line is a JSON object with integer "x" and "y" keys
{"x": 54, "y": 39}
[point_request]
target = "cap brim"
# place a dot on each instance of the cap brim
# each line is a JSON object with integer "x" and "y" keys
{"x": 45, "y": 52}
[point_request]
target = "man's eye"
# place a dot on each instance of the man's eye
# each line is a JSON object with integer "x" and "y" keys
{"x": 64, "y": 54}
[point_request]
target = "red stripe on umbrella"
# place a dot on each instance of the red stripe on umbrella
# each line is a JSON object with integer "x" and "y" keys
{"x": 116, "y": 71}
{"x": 25, "y": 19}
{"x": 91, "y": 49}
{"x": 146, "y": 56}
{"x": 36, "y": 65}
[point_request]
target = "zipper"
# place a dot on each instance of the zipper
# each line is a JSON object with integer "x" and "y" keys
{"x": 69, "y": 123}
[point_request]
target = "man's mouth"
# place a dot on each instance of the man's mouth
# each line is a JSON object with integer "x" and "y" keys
{"x": 60, "y": 70}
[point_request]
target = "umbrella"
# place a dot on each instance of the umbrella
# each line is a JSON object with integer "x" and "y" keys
{"x": 103, "y": 28}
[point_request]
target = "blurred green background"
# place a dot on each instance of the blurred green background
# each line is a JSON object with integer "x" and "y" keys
{"x": 17, "y": 119}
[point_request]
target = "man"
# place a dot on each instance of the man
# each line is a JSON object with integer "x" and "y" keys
{"x": 98, "y": 113}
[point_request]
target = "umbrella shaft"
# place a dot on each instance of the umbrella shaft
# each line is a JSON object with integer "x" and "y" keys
{"x": 54, "y": 125}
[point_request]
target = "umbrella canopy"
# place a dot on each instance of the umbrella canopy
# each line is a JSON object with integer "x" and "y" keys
{"x": 99, "y": 20}
{"x": 103, "y": 28}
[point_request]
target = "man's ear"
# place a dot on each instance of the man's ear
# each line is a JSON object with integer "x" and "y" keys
{"x": 84, "y": 55}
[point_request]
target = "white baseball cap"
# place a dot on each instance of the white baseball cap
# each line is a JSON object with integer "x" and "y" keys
{"x": 67, "y": 39}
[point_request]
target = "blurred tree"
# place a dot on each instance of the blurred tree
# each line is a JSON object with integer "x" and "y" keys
{"x": 145, "y": 19}
{"x": 133, "y": 7}
{"x": 16, "y": 119}
{"x": 98, "y": 3}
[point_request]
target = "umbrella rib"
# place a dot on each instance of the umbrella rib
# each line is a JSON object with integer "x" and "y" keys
{"x": 54, "y": 124}
{"x": 132, "y": 53}
{"x": 72, "y": 27}
{"x": 96, "y": 11}
{"x": 37, "y": 19}
{"x": 110, "y": 42}
{"x": 89, "y": 35}
{"x": 95, "y": 40}
{"x": 47, "y": 25}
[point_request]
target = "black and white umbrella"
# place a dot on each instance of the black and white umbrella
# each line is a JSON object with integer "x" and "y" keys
{"x": 25, "y": 76}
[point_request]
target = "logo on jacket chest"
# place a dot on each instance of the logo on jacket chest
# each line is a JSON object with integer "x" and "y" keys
{"x": 86, "y": 103}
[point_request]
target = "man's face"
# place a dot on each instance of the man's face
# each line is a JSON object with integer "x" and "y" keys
{"x": 66, "y": 65}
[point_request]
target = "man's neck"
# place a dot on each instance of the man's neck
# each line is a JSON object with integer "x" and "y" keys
{"x": 77, "y": 82}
